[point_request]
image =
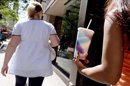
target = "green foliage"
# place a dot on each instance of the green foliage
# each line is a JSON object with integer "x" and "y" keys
{"x": 9, "y": 10}
{"x": 2, "y": 22}
{"x": 70, "y": 20}
{"x": 69, "y": 24}
{"x": 25, "y": 1}
{"x": 9, "y": 14}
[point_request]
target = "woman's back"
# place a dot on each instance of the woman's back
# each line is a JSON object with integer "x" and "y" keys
{"x": 32, "y": 54}
{"x": 35, "y": 30}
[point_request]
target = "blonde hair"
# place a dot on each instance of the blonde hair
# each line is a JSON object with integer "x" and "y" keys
{"x": 33, "y": 7}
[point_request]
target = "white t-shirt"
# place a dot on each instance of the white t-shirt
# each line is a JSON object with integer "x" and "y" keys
{"x": 31, "y": 58}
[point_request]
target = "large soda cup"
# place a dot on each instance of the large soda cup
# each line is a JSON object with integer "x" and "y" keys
{"x": 84, "y": 37}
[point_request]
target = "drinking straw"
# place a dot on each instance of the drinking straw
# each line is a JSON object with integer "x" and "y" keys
{"x": 89, "y": 23}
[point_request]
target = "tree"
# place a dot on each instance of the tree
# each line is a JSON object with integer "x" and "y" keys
{"x": 69, "y": 23}
{"x": 9, "y": 11}
{"x": 0, "y": 15}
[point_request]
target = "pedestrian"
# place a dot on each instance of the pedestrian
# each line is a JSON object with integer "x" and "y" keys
{"x": 28, "y": 50}
{"x": 115, "y": 65}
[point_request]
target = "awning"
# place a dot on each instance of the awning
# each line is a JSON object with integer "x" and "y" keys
{"x": 56, "y": 8}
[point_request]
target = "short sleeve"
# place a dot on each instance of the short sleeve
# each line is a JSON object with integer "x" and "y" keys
{"x": 52, "y": 30}
{"x": 16, "y": 29}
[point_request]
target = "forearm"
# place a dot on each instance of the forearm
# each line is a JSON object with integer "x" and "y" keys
{"x": 98, "y": 73}
{"x": 9, "y": 52}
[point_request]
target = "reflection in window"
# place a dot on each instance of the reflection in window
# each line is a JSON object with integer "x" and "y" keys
{"x": 68, "y": 36}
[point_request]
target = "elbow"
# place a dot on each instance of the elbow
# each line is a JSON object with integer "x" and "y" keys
{"x": 113, "y": 78}
{"x": 58, "y": 41}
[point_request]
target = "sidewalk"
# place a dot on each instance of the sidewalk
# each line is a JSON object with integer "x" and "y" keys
{"x": 9, "y": 80}
{"x": 53, "y": 80}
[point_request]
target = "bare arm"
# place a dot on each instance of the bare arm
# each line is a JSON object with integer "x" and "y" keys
{"x": 9, "y": 52}
{"x": 109, "y": 70}
{"x": 54, "y": 40}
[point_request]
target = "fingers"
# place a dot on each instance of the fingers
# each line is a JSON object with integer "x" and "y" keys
{"x": 80, "y": 65}
{"x": 79, "y": 56}
{"x": 86, "y": 61}
{"x": 80, "y": 62}
{"x": 82, "y": 56}
{"x": 4, "y": 71}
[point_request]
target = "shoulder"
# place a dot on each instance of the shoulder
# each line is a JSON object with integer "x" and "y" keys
{"x": 111, "y": 15}
{"x": 48, "y": 23}
{"x": 21, "y": 22}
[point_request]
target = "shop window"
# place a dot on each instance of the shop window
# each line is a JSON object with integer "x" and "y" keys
{"x": 67, "y": 36}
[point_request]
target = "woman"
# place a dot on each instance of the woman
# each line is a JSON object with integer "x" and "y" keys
{"x": 29, "y": 48}
{"x": 115, "y": 66}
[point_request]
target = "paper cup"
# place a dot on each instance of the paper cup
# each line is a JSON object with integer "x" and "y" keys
{"x": 84, "y": 37}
